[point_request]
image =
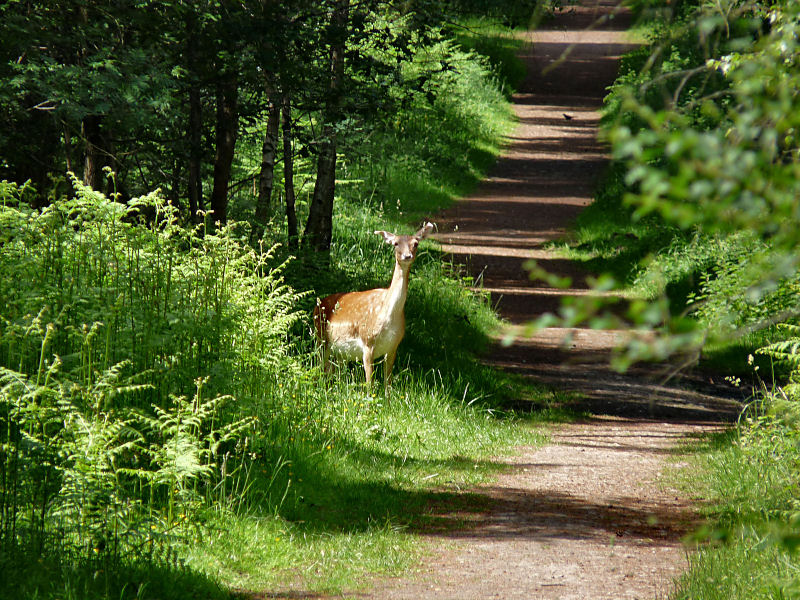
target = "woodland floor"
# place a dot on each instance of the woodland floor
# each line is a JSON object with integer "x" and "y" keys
{"x": 589, "y": 516}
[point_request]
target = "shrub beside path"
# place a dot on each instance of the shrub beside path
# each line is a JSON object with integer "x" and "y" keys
{"x": 587, "y": 516}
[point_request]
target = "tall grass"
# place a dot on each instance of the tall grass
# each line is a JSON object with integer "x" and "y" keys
{"x": 119, "y": 331}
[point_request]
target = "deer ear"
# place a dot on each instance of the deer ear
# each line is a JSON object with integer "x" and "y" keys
{"x": 387, "y": 237}
{"x": 425, "y": 230}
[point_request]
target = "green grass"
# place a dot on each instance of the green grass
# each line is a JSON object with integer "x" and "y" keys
{"x": 64, "y": 578}
{"x": 607, "y": 239}
{"x": 746, "y": 481}
{"x": 743, "y": 571}
{"x": 355, "y": 490}
{"x": 500, "y": 47}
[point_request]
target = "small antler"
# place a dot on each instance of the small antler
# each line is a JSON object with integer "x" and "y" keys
{"x": 426, "y": 229}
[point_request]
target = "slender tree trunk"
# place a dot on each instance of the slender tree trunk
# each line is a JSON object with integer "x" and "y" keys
{"x": 195, "y": 182}
{"x": 677, "y": 8}
{"x": 267, "y": 175}
{"x": 175, "y": 183}
{"x": 68, "y": 149}
{"x": 90, "y": 132}
{"x": 288, "y": 174}
{"x": 227, "y": 128}
{"x": 319, "y": 226}
{"x": 94, "y": 155}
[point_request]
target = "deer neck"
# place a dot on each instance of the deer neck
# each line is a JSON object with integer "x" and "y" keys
{"x": 395, "y": 297}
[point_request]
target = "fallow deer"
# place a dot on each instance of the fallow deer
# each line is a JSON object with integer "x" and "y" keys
{"x": 370, "y": 324}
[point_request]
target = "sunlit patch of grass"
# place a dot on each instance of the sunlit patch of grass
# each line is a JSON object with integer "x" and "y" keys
{"x": 354, "y": 488}
{"x": 744, "y": 479}
{"x": 500, "y": 47}
{"x": 273, "y": 555}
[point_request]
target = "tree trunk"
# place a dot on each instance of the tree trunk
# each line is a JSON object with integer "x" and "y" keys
{"x": 195, "y": 128}
{"x": 226, "y": 130}
{"x": 195, "y": 182}
{"x": 319, "y": 226}
{"x": 68, "y": 149}
{"x": 94, "y": 156}
{"x": 267, "y": 175}
{"x": 90, "y": 132}
{"x": 288, "y": 174}
{"x": 195, "y": 131}
{"x": 174, "y": 197}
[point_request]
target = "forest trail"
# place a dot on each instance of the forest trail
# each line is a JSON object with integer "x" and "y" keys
{"x": 588, "y": 516}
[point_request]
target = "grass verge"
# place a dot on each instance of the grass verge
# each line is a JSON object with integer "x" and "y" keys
{"x": 748, "y": 548}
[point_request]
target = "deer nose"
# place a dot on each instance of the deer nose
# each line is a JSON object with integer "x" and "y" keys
{"x": 406, "y": 256}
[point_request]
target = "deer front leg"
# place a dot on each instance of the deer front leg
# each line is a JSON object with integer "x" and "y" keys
{"x": 388, "y": 363}
{"x": 367, "y": 356}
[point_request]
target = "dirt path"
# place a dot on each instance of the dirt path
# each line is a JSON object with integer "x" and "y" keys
{"x": 586, "y": 517}
{"x": 583, "y": 518}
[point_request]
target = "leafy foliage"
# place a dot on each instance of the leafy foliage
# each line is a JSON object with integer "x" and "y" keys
{"x": 720, "y": 156}
{"x": 788, "y": 352}
{"x": 698, "y": 214}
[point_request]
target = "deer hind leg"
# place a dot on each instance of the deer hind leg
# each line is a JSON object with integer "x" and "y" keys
{"x": 326, "y": 358}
